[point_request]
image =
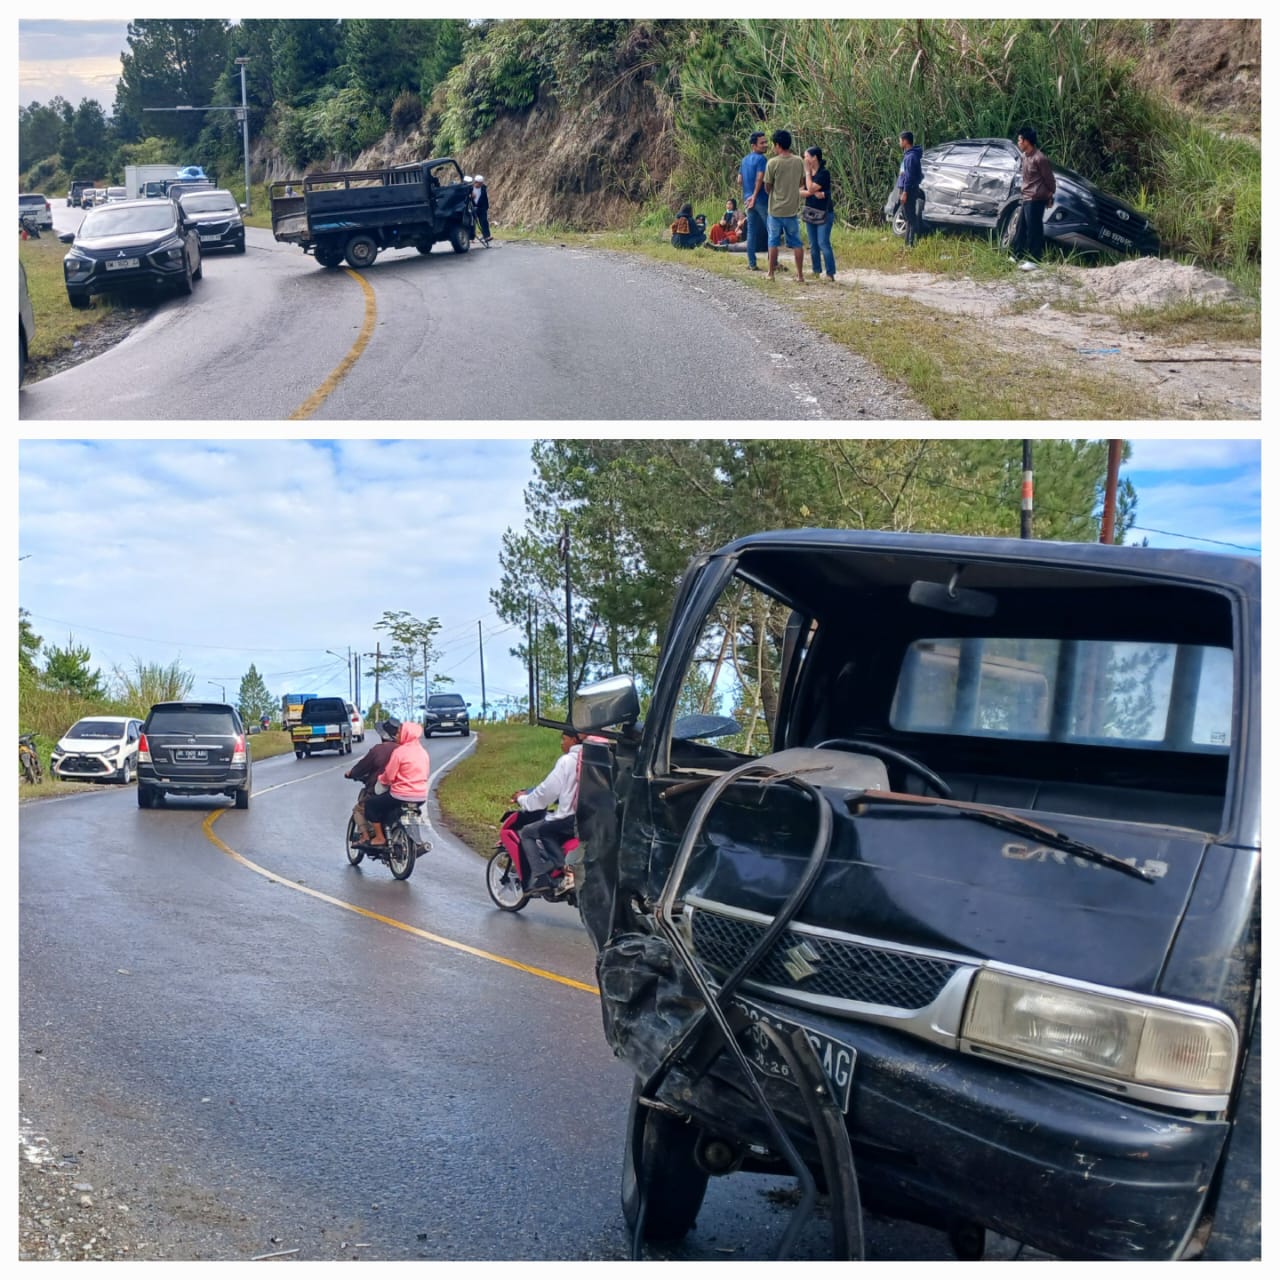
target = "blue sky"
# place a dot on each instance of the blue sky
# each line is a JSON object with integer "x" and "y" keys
{"x": 217, "y": 554}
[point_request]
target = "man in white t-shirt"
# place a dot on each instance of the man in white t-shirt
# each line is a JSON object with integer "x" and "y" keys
{"x": 542, "y": 842}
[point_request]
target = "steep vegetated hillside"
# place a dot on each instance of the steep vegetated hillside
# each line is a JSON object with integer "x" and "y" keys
{"x": 586, "y": 124}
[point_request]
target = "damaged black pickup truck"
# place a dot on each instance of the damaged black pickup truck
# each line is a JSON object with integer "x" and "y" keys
{"x": 956, "y": 915}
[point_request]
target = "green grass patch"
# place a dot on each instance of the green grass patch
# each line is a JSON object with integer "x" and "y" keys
{"x": 57, "y": 323}
{"x": 1190, "y": 321}
{"x": 477, "y": 792}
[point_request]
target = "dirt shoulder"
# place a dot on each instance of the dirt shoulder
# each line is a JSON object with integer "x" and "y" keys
{"x": 1092, "y": 320}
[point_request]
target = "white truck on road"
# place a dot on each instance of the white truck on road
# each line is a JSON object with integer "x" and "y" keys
{"x": 138, "y": 177}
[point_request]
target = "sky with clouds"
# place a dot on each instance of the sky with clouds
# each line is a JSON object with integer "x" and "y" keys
{"x": 79, "y": 59}
{"x": 217, "y": 554}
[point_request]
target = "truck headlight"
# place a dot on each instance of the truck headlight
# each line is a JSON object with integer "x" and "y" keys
{"x": 1086, "y": 1031}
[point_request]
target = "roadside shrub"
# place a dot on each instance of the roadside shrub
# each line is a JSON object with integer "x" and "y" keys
{"x": 406, "y": 112}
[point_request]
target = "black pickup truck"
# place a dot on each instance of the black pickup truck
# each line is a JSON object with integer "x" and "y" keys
{"x": 962, "y": 922}
{"x": 353, "y": 214}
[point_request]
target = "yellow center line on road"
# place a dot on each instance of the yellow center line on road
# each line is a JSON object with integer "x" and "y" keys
{"x": 452, "y": 944}
{"x": 326, "y": 388}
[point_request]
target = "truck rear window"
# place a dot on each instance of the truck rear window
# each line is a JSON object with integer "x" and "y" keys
{"x": 1118, "y": 693}
{"x": 323, "y": 711}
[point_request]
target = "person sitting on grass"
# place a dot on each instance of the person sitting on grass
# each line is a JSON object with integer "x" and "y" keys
{"x": 685, "y": 231}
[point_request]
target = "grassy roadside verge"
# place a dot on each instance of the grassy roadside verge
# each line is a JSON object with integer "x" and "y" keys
{"x": 476, "y": 792}
{"x": 949, "y": 362}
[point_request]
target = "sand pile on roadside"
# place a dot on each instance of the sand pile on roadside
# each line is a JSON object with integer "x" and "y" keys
{"x": 1151, "y": 282}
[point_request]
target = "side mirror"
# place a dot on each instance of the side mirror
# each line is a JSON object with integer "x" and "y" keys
{"x": 67, "y": 237}
{"x": 243, "y": 206}
{"x": 607, "y": 702}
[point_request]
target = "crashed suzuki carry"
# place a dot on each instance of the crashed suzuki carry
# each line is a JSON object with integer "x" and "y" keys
{"x": 956, "y": 917}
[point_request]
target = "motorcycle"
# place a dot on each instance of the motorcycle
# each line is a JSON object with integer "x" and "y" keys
{"x": 406, "y": 841}
{"x": 507, "y": 874}
{"x": 28, "y": 760}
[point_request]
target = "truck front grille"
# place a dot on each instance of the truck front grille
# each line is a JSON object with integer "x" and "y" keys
{"x": 842, "y": 969}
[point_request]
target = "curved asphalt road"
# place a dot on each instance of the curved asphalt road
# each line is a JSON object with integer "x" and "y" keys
{"x": 517, "y": 331}
{"x": 260, "y": 1048}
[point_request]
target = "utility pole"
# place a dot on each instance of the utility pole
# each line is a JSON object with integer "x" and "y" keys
{"x": 242, "y": 114}
{"x": 528, "y": 626}
{"x": 483, "y": 703}
{"x": 537, "y": 671}
{"x": 377, "y": 675}
{"x": 1109, "y": 496}
{"x": 424, "y": 675}
{"x": 244, "y": 123}
{"x": 1028, "y": 489}
{"x": 563, "y": 549}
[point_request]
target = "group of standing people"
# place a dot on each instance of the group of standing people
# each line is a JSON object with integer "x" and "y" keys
{"x": 779, "y": 192}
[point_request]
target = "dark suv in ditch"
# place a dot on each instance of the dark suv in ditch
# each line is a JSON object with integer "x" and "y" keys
{"x": 446, "y": 713}
{"x": 131, "y": 244}
{"x": 976, "y": 183}
{"x": 193, "y": 749}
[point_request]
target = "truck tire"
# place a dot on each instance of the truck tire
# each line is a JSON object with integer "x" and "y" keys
{"x": 676, "y": 1182}
{"x": 361, "y": 251}
{"x": 425, "y": 246}
{"x": 460, "y": 238}
{"x": 328, "y": 255}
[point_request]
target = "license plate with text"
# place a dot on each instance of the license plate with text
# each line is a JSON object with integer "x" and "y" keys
{"x": 121, "y": 264}
{"x": 190, "y": 753}
{"x": 836, "y": 1057}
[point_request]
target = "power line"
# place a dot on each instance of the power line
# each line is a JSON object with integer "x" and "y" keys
{"x": 177, "y": 644}
{"x": 1192, "y": 537}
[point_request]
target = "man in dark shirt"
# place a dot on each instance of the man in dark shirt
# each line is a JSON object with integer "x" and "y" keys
{"x": 369, "y": 767}
{"x": 1038, "y": 188}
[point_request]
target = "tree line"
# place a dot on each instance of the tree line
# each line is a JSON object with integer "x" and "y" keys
{"x": 620, "y": 520}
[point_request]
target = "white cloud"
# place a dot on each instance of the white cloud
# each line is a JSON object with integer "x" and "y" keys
{"x": 1185, "y": 455}
{"x": 226, "y": 553}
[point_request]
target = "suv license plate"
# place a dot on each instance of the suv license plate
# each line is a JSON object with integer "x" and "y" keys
{"x": 210, "y": 239}
{"x": 837, "y": 1058}
{"x": 120, "y": 264}
{"x": 190, "y": 753}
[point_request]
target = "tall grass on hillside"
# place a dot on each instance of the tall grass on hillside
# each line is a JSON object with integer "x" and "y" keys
{"x": 850, "y": 86}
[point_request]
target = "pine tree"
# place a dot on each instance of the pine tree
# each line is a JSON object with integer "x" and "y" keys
{"x": 255, "y": 700}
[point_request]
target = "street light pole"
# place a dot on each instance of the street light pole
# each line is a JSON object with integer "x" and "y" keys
{"x": 221, "y": 687}
{"x": 244, "y": 122}
{"x": 347, "y": 660}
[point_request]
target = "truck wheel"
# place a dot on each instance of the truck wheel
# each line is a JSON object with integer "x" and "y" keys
{"x": 459, "y": 238}
{"x": 328, "y": 255}
{"x": 297, "y": 755}
{"x": 361, "y": 251}
{"x": 676, "y": 1183}
{"x": 425, "y": 246}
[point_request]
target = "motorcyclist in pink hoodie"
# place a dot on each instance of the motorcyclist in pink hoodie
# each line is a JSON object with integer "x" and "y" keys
{"x": 404, "y": 778}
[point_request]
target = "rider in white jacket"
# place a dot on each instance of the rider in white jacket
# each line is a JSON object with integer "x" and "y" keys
{"x": 542, "y": 842}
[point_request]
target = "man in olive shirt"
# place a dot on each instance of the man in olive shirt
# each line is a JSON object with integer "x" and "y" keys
{"x": 783, "y": 178}
{"x": 1038, "y": 187}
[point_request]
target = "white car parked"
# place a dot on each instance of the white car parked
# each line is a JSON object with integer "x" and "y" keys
{"x": 36, "y": 205}
{"x": 98, "y": 748}
{"x": 357, "y": 723}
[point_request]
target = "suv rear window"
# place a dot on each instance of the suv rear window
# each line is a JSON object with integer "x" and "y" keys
{"x": 191, "y": 720}
{"x": 322, "y": 710}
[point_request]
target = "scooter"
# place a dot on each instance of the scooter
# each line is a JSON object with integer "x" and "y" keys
{"x": 507, "y": 874}
{"x": 406, "y": 841}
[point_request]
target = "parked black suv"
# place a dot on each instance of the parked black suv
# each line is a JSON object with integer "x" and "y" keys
{"x": 131, "y": 244}
{"x": 217, "y": 218}
{"x": 446, "y": 713}
{"x": 963, "y": 923}
{"x": 976, "y": 182}
{"x": 193, "y": 749}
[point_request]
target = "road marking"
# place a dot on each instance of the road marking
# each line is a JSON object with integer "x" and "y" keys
{"x": 327, "y": 387}
{"x": 451, "y": 943}
{"x": 306, "y": 777}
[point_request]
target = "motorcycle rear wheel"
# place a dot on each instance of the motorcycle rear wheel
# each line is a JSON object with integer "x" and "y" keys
{"x": 400, "y": 855}
{"x": 355, "y": 854}
{"x": 504, "y": 883}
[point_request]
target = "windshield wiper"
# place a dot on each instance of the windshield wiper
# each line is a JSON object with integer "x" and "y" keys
{"x": 1005, "y": 821}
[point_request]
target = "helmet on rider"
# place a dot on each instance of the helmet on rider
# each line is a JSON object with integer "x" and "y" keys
{"x": 388, "y": 729}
